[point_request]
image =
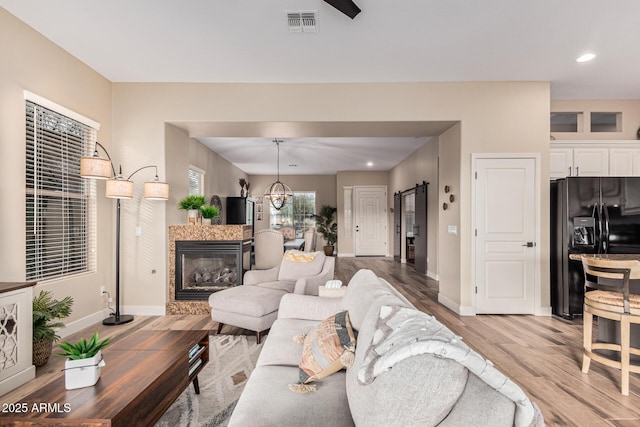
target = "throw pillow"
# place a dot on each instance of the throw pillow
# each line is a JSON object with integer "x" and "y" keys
{"x": 299, "y": 256}
{"x": 326, "y": 349}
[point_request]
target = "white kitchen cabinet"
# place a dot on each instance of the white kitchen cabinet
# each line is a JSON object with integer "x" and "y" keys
{"x": 583, "y": 161}
{"x": 624, "y": 162}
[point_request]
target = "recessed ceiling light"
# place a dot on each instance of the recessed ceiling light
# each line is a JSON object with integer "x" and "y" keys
{"x": 369, "y": 164}
{"x": 586, "y": 57}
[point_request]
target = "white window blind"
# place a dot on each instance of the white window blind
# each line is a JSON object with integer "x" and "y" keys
{"x": 60, "y": 205}
{"x": 196, "y": 181}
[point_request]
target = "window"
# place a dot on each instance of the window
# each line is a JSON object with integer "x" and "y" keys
{"x": 298, "y": 214}
{"x": 196, "y": 181}
{"x": 60, "y": 205}
{"x": 566, "y": 122}
{"x": 606, "y": 122}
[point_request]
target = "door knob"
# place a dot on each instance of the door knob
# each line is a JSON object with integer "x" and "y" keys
{"x": 529, "y": 244}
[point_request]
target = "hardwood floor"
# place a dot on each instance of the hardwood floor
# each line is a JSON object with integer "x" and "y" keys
{"x": 542, "y": 354}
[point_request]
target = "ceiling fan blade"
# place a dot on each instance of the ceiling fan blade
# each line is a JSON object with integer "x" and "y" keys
{"x": 347, "y": 7}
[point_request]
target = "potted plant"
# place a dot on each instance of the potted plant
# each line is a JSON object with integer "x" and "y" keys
{"x": 327, "y": 227}
{"x": 84, "y": 361}
{"x": 192, "y": 204}
{"x": 45, "y": 311}
{"x": 208, "y": 212}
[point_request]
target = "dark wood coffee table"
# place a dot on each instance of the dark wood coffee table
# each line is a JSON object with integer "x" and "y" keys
{"x": 144, "y": 374}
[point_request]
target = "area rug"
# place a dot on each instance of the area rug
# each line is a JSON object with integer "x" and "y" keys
{"x": 231, "y": 360}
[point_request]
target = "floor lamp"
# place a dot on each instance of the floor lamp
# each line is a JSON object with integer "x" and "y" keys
{"x": 118, "y": 187}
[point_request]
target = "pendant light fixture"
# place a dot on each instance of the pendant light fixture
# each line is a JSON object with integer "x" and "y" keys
{"x": 278, "y": 192}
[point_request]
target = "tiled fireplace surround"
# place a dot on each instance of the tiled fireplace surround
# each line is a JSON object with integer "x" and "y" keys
{"x": 193, "y": 233}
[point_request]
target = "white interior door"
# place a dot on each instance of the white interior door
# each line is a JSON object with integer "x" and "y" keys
{"x": 370, "y": 221}
{"x": 505, "y": 207}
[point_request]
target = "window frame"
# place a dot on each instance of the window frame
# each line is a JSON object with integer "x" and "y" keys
{"x": 60, "y": 206}
{"x": 199, "y": 174}
{"x": 300, "y": 224}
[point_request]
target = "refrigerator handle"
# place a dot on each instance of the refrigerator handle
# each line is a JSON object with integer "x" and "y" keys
{"x": 599, "y": 235}
{"x": 605, "y": 241}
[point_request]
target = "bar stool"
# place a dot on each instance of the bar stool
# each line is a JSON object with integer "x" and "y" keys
{"x": 611, "y": 300}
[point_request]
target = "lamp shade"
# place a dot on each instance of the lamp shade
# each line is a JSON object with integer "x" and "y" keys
{"x": 119, "y": 189}
{"x": 95, "y": 167}
{"x": 156, "y": 190}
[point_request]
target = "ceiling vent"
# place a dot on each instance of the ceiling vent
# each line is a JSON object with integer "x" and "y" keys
{"x": 302, "y": 21}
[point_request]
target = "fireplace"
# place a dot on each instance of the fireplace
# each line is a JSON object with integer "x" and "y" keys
{"x": 205, "y": 266}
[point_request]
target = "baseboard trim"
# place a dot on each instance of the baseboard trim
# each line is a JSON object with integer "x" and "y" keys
{"x": 543, "y": 311}
{"x": 345, "y": 255}
{"x": 85, "y": 322}
{"x": 455, "y": 307}
{"x": 432, "y": 275}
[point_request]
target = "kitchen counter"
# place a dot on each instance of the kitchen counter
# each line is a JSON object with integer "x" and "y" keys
{"x": 635, "y": 272}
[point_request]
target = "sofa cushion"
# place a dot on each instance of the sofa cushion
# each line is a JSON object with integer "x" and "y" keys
{"x": 483, "y": 405}
{"x": 248, "y": 300}
{"x": 266, "y": 401}
{"x": 279, "y": 347}
{"x": 292, "y": 270}
{"x": 281, "y": 285}
{"x": 327, "y": 348}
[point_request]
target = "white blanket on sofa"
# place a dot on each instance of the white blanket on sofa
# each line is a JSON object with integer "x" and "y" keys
{"x": 403, "y": 332}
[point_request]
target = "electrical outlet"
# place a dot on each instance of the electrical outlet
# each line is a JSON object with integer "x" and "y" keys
{"x": 103, "y": 290}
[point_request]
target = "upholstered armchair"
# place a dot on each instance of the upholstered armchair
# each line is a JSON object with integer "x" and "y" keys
{"x": 298, "y": 272}
{"x": 254, "y": 305}
{"x": 268, "y": 248}
{"x": 310, "y": 240}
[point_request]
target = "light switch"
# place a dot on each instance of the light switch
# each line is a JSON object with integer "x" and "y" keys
{"x": 138, "y": 231}
{"x": 452, "y": 229}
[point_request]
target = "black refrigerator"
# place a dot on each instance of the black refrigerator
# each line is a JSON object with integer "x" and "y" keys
{"x": 592, "y": 215}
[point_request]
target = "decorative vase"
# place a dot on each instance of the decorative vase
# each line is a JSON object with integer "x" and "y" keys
{"x": 206, "y": 221}
{"x": 192, "y": 216}
{"x": 42, "y": 351}
{"x": 83, "y": 372}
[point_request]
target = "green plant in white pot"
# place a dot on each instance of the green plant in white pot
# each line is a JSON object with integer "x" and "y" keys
{"x": 208, "y": 212}
{"x": 192, "y": 204}
{"x": 84, "y": 361}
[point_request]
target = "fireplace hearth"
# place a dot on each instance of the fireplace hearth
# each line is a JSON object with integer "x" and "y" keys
{"x": 204, "y": 259}
{"x": 204, "y": 267}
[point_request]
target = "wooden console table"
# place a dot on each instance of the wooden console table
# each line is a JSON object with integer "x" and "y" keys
{"x": 144, "y": 374}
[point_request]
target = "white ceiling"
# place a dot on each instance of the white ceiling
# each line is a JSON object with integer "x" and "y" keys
{"x": 314, "y": 156}
{"x": 390, "y": 41}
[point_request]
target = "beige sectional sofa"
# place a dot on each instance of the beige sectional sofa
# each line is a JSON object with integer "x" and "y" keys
{"x": 409, "y": 370}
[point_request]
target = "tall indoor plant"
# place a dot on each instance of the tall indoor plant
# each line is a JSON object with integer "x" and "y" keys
{"x": 46, "y": 310}
{"x": 327, "y": 226}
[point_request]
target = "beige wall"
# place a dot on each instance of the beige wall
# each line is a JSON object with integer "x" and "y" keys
{"x": 421, "y": 165}
{"x": 518, "y": 121}
{"x": 493, "y": 116}
{"x": 450, "y": 271}
{"x": 630, "y": 109}
{"x": 31, "y": 62}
